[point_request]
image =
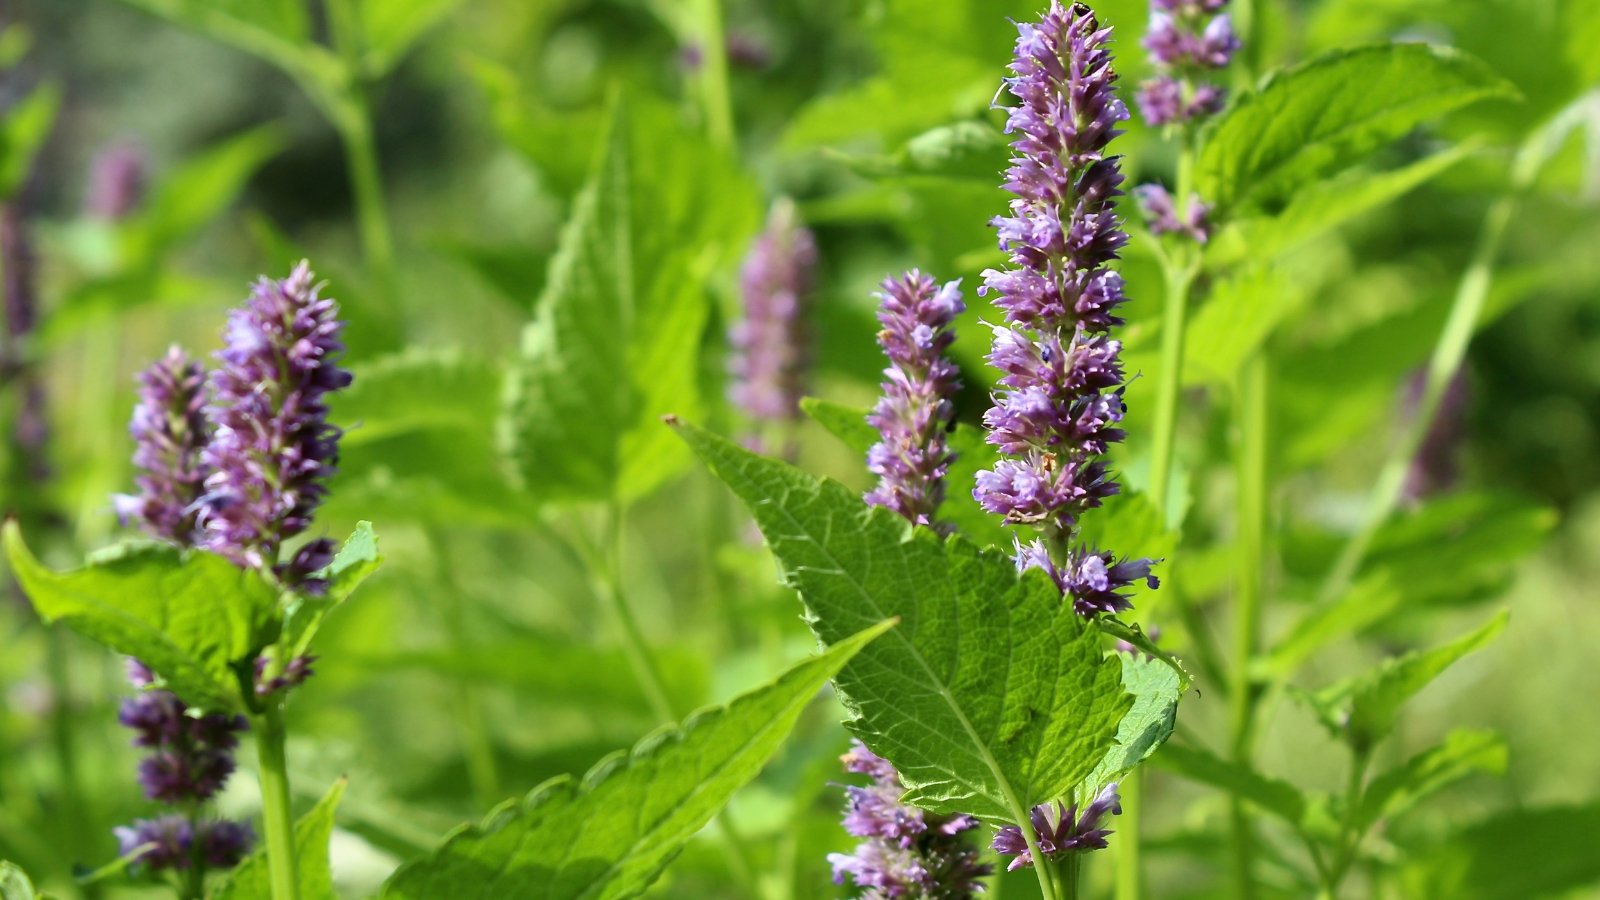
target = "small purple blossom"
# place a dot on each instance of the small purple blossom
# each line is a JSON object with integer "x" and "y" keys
{"x": 192, "y": 754}
{"x": 913, "y": 458}
{"x": 1059, "y": 403}
{"x": 162, "y": 843}
{"x": 906, "y": 852}
{"x": 1185, "y": 40}
{"x": 170, "y": 432}
{"x": 771, "y": 343}
{"x": 116, "y": 183}
{"x": 294, "y": 674}
{"x": 1060, "y": 830}
{"x": 273, "y": 448}
{"x": 1161, "y": 213}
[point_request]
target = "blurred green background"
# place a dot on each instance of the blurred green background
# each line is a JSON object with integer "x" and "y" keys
{"x": 478, "y": 663}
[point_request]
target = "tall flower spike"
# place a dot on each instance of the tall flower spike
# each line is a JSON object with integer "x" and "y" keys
{"x": 1059, "y": 403}
{"x": 771, "y": 343}
{"x": 913, "y": 458}
{"x": 274, "y": 448}
{"x": 906, "y": 852}
{"x": 1186, "y": 40}
{"x": 169, "y": 431}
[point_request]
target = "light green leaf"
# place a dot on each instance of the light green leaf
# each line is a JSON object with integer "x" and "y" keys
{"x": 357, "y": 558}
{"x": 419, "y": 389}
{"x": 1362, "y": 710}
{"x": 252, "y": 880}
{"x": 1552, "y": 849}
{"x": 612, "y": 834}
{"x": 847, "y": 423}
{"x": 23, "y": 131}
{"x": 277, "y": 31}
{"x": 1155, "y": 687}
{"x": 1272, "y": 795}
{"x": 1330, "y": 112}
{"x": 195, "y": 619}
{"x": 1462, "y": 753}
{"x": 615, "y": 343}
{"x": 993, "y": 697}
{"x": 14, "y": 883}
{"x": 389, "y": 28}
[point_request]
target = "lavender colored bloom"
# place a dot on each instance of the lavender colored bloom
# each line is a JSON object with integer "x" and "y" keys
{"x": 1059, "y": 403}
{"x": 116, "y": 183}
{"x": 1060, "y": 829}
{"x": 771, "y": 344}
{"x": 162, "y": 843}
{"x": 1161, "y": 213}
{"x": 224, "y": 844}
{"x": 294, "y": 674}
{"x": 273, "y": 447}
{"x": 914, "y": 456}
{"x": 193, "y": 753}
{"x": 1184, "y": 39}
{"x": 906, "y": 852}
{"x": 169, "y": 431}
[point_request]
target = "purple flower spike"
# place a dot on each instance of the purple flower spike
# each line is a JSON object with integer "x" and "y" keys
{"x": 1185, "y": 38}
{"x": 274, "y": 448}
{"x": 1161, "y": 213}
{"x": 169, "y": 431}
{"x": 771, "y": 344}
{"x": 1059, "y": 404}
{"x": 1069, "y": 832}
{"x": 906, "y": 852}
{"x": 914, "y": 456}
{"x": 161, "y": 843}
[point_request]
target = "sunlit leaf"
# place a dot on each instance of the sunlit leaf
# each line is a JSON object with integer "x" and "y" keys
{"x": 251, "y": 881}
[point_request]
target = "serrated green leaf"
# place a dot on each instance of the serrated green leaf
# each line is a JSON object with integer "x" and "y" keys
{"x": 993, "y": 697}
{"x": 389, "y": 28}
{"x": 14, "y": 883}
{"x": 1462, "y": 753}
{"x": 357, "y": 558}
{"x": 252, "y": 880}
{"x": 193, "y": 618}
{"x": 611, "y": 835}
{"x": 1155, "y": 687}
{"x": 614, "y": 345}
{"x": 23, "y": 131}
{"x": 1553, "y": 849}
{"x": 1331, "y": 111}
{"x": 1362, "y": 710}
{"x": 1272, "y": 795}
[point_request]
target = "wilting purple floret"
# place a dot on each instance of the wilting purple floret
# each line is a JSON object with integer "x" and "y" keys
{"x": 1161, "y": 213}
{"x": 1059, "y": 404}
{"x": 169, "y": 431}
{"x": 771, "y": 343}
{"x": 1185, "y": 38}
{"x": 1060, "y": 830}
{"x": 165, "y": 841}
{"x": 906, "y": 852}
{"x": 912, "y": 416}
{"x": 273, "y": 448}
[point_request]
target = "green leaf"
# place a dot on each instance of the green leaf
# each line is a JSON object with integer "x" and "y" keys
{"x": 389, "y": 28}
{"x": 357, "y": 558}
{"x": 847, "y": 423}
{"x": 1330, "y": 112}
{"x": 1362, "y": 710}
{"x": 14, "y": 883}
{"x": 992, "y": 698}
{"x": 1322, "y": 206}
{"x": 277, "y": 31}
{"x": 195, "y": 619}
{"x": 613, "y": 833}
{"x": 1552, "y": 849}
{"x": 252, "y": 880}
{"x": 1155, "y": 687}
{"x": 615, "y": 343}
{"x": 1272, "y": 795}
{"x": 1462, "y": 753}
{"x": 416, "y": 390}
{"x": 23, "y": 131}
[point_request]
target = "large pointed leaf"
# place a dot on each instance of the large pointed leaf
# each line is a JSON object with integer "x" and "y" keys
{"x": 615, "y": 344}
{"x": 611, "y": 835}
{"x": 252, "y": 880}
{"x": 193, "y": 618}
{"x": 1155, "y": 687}
{"x": 993, "y": 696}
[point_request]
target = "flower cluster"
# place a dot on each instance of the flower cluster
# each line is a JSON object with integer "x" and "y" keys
{"x": 771, "y": 344}
{"x": 273, "y": 448}
{"x": 1060, "y": 398}
{"x": 191, "y": 759}
{"x": 906, "y": 852}
{"x": 1068, "y": 833}
{"x": 1186, "y": 39}
{"x": 914, "y": 456}
{"x": 1162, "y": 215}
{"x": 169, "y": 432}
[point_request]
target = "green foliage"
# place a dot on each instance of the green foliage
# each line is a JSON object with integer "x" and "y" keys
{"x": 1272, "y": 795}
{"x": 356, "y": 559}
{"x": 1155, "y": 687}
{"x": 315, "y": 880}
{"x": 993, "y": 697}
{"x": 613, "y": 346}
{"x": 611, "y": 834}
{"x": 23, "y": 132}
{"x": 195, "y": 619}
{"x": 1553, "y": 848}
{"x": 14, "y": 883}
{"x": 1330, "y": 112}
{"x": 390, "y": 28}
{"x": 419, "y": 390}
{"x": 1463, "y": 753}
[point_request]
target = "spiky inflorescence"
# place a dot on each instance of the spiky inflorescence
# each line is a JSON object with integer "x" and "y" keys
{"x": 906, "y": 852}
{"x": 273, "y": 447}
{"x": 772, "y": 343}
{"x": 1187, "y": 40}
{"x": 169, "y": 431}
{"x": 913, "y": 458}
{"x": 1060, "y": 396}
{"x": 1060, "y": 830}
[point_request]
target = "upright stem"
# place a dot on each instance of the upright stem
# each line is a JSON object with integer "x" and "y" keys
{"x": 1168, "y": 385}
{"x": 714, "y": 94}
{"x": 1129, "y": 874}
{"x": 276, "y": 813}
{"x": 1071, "y": 866}
{"x": 1250, "y": 405}
{"x": 352, "y": 118}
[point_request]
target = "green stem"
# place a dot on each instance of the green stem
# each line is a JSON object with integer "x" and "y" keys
{"x": 1169, "y": 385}
{"x": 352, "y": 119}
{"x": 59, "y": 662}
{"x": 1349, "y": 834}
{"x": 1448, "y": 353}
{"x": 478, "y": 744}
{"x": 714, "y": 93}
{"x": 1251, "y": 404}
{"x": 276, "y": 814}
{"x": 1128, "y": 872}
{"x": 1070, "y": 867}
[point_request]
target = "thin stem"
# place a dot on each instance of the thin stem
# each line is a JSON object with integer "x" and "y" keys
{"x": 1169, "y": 384}
{"x": 276, "y": 814}
{"x": 1349, "y": 834}
{"x": 1250, "y": 405}
{"x": 1071, "y": 866}
{"x": 352, "y": 119}
{"x": 714, "y": 94}
{"x": 1128, "y": 872}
